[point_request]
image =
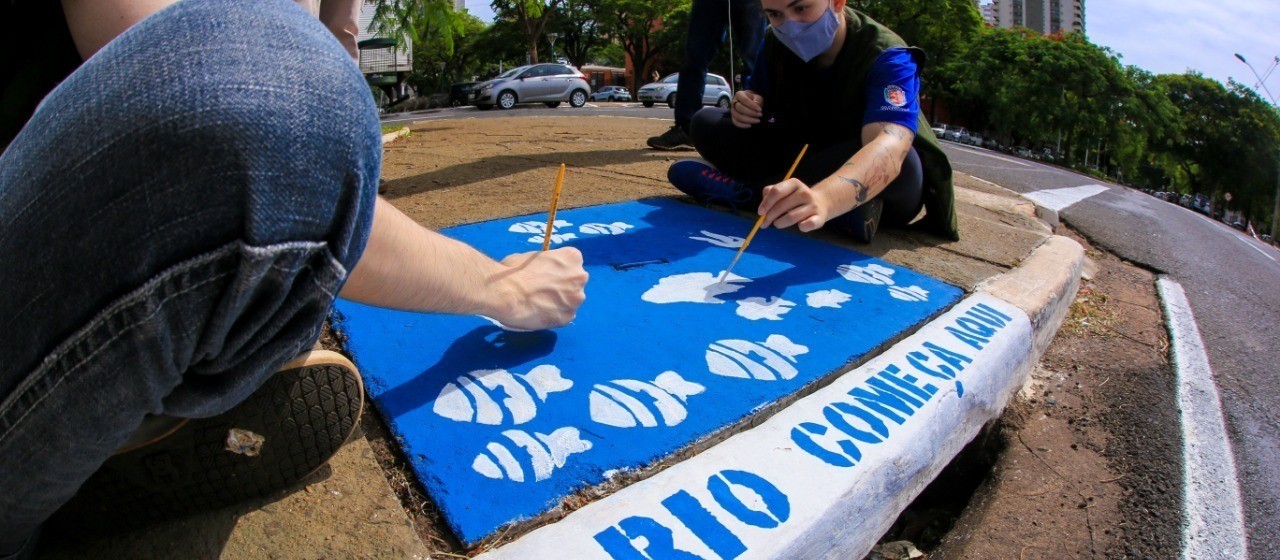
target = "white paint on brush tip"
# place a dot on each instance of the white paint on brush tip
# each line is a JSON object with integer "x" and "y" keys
{"x": 1211, "y": 494}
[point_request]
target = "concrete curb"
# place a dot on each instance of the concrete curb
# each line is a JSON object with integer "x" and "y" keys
{"x": 826, "y": 476}
{"x": 391, "y": 136}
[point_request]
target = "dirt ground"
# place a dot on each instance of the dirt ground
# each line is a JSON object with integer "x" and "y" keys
{"x": 1081, "y": 475}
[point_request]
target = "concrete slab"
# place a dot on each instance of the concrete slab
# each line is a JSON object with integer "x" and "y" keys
{"x": 502, "y": 426}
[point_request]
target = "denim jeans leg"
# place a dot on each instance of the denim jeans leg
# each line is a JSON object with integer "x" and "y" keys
{"x": 707, "y": 21}
{"x": 748, "y": 31}
{"x": 176, "y": 219}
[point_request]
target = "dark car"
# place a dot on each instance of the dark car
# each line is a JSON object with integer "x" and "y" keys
{"x": 461, "y": 92}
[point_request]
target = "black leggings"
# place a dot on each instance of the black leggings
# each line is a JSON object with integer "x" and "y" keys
{"x": 760, "y": 156}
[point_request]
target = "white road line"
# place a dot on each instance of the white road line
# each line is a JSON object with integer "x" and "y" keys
{"x": 1058, "y": 199}
{"x": 992, "y": 156}
{"x": 1211, "y": 493}
{"x": 1236, "y": 236}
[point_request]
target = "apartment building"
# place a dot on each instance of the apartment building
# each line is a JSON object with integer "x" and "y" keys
{"x": 1044, "y": 16}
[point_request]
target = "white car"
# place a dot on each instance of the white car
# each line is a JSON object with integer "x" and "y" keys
{"x": 664, "y": 91}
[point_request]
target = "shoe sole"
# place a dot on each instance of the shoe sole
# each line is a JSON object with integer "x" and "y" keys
{"x": 303, "y": 414}
{"x": 681, "y": 147}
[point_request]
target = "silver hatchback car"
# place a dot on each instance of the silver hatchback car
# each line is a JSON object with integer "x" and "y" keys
{"x": 664, "y": 91}
{"x": 550, "y": 84}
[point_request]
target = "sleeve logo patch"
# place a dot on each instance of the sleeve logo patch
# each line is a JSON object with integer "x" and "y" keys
{"x": 895, "y": 96}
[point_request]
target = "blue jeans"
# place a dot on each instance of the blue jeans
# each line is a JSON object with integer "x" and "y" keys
{"x": 760, "y": 155}
{"x": 708, "y": 20}
{"x": 176, "y": 219}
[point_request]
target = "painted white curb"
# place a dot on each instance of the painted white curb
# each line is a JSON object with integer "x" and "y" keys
{"x": 388, "y": 137}
{"x": 825, "y": 477}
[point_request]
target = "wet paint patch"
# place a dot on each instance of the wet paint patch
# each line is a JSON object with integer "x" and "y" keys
{"x": 502, "y": 425}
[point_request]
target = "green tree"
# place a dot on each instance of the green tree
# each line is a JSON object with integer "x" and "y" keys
{"x": 531, "y": 16}
{"x": 640, "y": 27}
{"x": 579, "y": 29}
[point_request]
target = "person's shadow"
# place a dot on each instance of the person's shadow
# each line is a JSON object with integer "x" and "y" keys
{"x": 486, "y": 347}
{"x": 676, "y": 231}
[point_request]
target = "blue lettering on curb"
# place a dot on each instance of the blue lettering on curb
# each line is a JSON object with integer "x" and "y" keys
{"x": 643, "y": 538}
{"x": 894, "y": 395}
{"x": 715, "y": 535}
{"x": 776, "y": 507}
{"x": 620, "y": 541}
{"x": 989, "y": 315}
{"x": 838, "y": 413}
{"x": 803, "y": 435}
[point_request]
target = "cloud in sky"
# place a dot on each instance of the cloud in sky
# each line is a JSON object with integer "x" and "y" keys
{"x": 1165, "y": 36}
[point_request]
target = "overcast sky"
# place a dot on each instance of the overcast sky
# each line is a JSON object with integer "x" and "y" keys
{"x": 1172, "y": 36}
{"x": 1168, "y": 36}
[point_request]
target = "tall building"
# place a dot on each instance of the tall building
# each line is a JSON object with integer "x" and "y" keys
{"x": 988, "y": 12}
{"x": 1044, "y": 16}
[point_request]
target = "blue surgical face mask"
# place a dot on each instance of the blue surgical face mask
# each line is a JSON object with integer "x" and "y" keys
{"x": 808, "y": 40}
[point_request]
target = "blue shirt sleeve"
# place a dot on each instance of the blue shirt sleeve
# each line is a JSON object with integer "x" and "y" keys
{"x": 893, "y": 89}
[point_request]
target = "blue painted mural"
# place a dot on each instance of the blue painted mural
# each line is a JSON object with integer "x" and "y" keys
{"x": 500, "y": 426}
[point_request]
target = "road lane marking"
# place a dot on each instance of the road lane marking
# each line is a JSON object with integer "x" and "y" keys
{"x": 1236, "y": 236}
{"x": 1059, "y": 199}
{"x": 992, "y": 156}
{"x": 1211, "y": 493}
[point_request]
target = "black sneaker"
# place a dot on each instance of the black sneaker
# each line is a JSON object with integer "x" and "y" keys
{"x": 674, "y": 138}
{"x": 283, "y": 432}
{"x": 701, "y": 180}
{"x": 862, "y": 221}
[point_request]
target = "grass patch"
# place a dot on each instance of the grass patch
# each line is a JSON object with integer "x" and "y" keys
{"x": 389, "y": 128}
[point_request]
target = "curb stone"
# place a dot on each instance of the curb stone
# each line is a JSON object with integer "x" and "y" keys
{"x": 825, "y": 477}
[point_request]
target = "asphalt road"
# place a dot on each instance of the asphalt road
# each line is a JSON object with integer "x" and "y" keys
{"x": 1230, "y": 280}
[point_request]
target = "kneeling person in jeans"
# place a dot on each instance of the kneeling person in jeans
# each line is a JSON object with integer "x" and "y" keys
{"x": 836, "y": 80}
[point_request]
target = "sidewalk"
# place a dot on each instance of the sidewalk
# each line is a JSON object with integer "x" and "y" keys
{"x": 461, "y": 171}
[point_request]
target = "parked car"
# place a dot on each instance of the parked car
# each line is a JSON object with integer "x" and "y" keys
{"x": 664, "y": 91}
{"x": 550, "y": 84}
{"x": 940, "y": 130}
{"x": 991, "y": 144}
{"x": 1022, "y": 152}
{"x": 972, "y": 139}
{"x": 611, "y": 93}
{"x": 461, "y": 92}
{"x": 955, "y": 133}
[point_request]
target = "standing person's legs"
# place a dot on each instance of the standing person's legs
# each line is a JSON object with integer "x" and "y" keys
{"x": 707, "y": 22}
{"x": 176, "y": 217}
{"x": 748, "y": 30}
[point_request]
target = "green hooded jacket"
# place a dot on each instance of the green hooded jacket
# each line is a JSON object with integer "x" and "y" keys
{"x": 829, "y": 117}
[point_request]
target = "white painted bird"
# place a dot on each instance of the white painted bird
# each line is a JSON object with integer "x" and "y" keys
{"x": 627, "y": 403}
{"x": 492, "y": 396}
{"x": 523, "y": 454}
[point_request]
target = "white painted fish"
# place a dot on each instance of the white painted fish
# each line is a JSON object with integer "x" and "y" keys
{"x": 773, "y": 358}
{"x": 556, "y": 238}
{"x": 694, "y": 287}
{"x": 522, "y": 455}
{"x": 616, "y": 228}
{"x": 912, "y": 293}
{"x": 627, "y": 403}
{"x": 876, "y": 274}
{"x": 727, "y": 241}
{"x": 495, "y": 396}
{"x": 537, "y": 227}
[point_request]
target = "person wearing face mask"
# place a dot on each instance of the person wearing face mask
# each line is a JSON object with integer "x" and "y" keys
{"x": 834, "y": 79}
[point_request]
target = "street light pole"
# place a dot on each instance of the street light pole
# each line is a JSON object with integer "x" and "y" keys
{"x": 553, "y": 37}
{"x": 1275, "y": 212}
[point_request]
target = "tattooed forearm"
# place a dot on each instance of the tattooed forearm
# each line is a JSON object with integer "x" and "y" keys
{"x": 896, "y": 130}
{"x": 860, "y": 189}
